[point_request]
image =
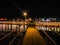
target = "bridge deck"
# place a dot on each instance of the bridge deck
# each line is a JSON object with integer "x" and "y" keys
{"x": 32, "y": 37}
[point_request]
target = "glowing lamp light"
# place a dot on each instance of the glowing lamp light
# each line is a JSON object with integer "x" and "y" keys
{"x": 25, "y": 14}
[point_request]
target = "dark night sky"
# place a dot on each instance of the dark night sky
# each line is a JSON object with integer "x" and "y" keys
{"x": 35, "y": 8}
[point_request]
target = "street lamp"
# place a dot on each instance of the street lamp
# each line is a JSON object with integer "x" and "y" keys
{"x": 25, "y": 14}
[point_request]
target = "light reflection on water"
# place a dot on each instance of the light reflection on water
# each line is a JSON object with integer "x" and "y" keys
{"x": 48, "y": 28}
{"x": 0, "y": 26}
{"x": 7, "y": 27}
{"x": 22, "y": 28}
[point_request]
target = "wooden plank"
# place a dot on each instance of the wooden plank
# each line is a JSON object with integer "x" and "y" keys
{"x": 32, "y": 37}
{"x": 25, "y": 39}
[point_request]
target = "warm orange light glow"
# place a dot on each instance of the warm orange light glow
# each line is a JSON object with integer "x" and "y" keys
{"x": 25, "y": 14}
{"x": 3, "y": 19}
{"x": 30, "y": 19}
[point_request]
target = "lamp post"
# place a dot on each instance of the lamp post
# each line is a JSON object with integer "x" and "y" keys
{"x": 25, "y": 14}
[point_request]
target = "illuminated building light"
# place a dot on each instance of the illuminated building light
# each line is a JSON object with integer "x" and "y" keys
{"x": 4, "y": 27}
{"x": 58, "y": 29}
{"x": 47, "y": 20}
{"x": 22, "y": 27}
{"x": 43, "y": 20}
{"x": 38, "y": 27}
{"x": 1, "y": 27}
{"x": 52, "y": 28}
{"x": 43, "y": 28}
{"x": 25, "y": 27}
{"x": 55, "y": 29}
{"x": 14, "y": 27}
{"x": 5, "y": 19}
{"x": 1, "y": 19}
{"x": 49, "y": 29}
{"x": 9, "y": 27}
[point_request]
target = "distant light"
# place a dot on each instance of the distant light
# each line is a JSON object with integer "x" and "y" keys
{"x": 5, "y": 19}
{"x": 21, "y": 27}
{"x": 43, "y": 20}
{"x": 30, "y": 19}
{"x": 1, "y": 19}
{"x": 52, "y": 18}
{"x": 47, "y": 20}
{"x": 25, "y": 13}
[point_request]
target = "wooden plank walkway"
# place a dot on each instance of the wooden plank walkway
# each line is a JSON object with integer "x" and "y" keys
{"x": 33, "y": 37}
